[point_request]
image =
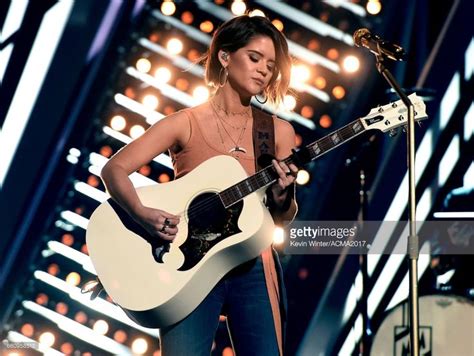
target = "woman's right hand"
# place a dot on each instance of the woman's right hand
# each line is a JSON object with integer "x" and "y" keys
{"x": 158, "y": 222}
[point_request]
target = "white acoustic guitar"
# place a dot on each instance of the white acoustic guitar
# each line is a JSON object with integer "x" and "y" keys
{"x": 223, "y": 224}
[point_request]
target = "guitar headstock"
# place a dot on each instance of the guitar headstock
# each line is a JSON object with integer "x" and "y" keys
{"x": 389, "y": 117}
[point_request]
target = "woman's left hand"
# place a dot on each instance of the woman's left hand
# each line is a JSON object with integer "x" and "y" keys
{"x": 287, "y": 176}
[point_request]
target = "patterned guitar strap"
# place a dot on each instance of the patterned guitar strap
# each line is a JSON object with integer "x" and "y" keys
{"x": 264, "y": 150}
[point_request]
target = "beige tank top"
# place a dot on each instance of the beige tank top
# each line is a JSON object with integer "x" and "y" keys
{"x": 200, "y": 147}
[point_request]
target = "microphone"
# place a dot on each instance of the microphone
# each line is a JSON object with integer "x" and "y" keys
{"x": 363, "y": 38}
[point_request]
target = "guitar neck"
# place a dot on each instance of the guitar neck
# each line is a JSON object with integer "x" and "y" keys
{"x": 268, "y": 175}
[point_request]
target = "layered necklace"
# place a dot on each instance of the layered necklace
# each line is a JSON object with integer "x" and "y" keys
{"x": 237, "y": 148}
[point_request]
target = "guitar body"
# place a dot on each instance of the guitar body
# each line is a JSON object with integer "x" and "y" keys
{"x": 159, "y": 284}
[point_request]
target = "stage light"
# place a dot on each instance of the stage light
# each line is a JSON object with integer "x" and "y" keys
{"x": 193, "y": 55}
{"x": 145, "y": 170}
{"x": 298, "y": 140}
{"x": 80, "y": 317}
{"x": 67, "y": 239}
{"x": 67, "y": 348}
{"x": 163, "y": 178}
{"x": 278, "y": 236}
{"x": 120, "y": 336}
{"x": 314, "y": 45}
{"x": 93, "y": 181}
{"x": 228, "y": 351}
{"x": 73, "y": 279}
{"x": 333, "y": 54}
{"x": 129, "y": 92}
{"x": 136, "y": 131}
{"x": 278, "y": 24}
{"x": 373, "y": 7}
{"x": 143, "y": 65}
{"x": 174, "y": 46}
{"x": 289, "y": 102}
{"x": 351, "y": 64}
{"x": 187, "y": 17}
{"x": 106, "y": 151}
{"x": 42, "y": 299}
{"x": 169, "y": 109}
{"x": 101, "y": 327}
{"x": 118, "y": 123}
{"x": 182, "y": 84}
{"x": 256, "y": 12}
{"x": 201, "y": 93}
{"x": 299, "y": 74}
{"x": 27, "y": 329}
{"x": 47, "y": 339}
{"x": 320, "y": 82}
{"x": 150, "y": 101}
{"x": 238, "y": 7}
{"x": 84, "y": 249}
{"x": 303, "y": 177}
{"x": 61, "y": 308}
{"x": 303, "y": 273}
{"x": 168, "y": 7}
{"x": 53, "y": 269}
{"x": 325, "y": 121}
{"x": 206, "y": 26}
{"x": 163, "y": 75}
{"x": 139, "y": 346}
{"x": 307, "y": 111}
{"x": 338, "y": 92}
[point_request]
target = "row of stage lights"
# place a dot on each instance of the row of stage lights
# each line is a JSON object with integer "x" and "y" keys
{"x": 239, "y": 7}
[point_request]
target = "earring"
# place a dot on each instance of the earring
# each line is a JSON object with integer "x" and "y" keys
{"x": 225, "y": 56}
{"x": 261, "y": 102}
{"x": 226, "y": 73}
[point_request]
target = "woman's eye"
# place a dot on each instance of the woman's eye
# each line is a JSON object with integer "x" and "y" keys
{"x": 254, "y": 59}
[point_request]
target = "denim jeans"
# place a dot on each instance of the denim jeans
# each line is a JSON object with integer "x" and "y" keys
{"x": 242, "y": 296}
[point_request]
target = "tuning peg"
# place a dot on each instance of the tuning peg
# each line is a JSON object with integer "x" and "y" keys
{"x": 404, "y": 128}
{"x": 419, "y": 123}
{"x": 380, "y": 109}
{"x": 392, "y": 132}
{"x": 394, "y": 104}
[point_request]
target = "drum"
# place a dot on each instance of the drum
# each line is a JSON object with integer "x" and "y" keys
{"x": 446, "y": 328}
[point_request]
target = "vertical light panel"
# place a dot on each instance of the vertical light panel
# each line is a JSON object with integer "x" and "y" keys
{"x": 36, "y": 67}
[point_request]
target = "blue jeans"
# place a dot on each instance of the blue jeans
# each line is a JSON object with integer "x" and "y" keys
{"x": 241, "y": 295}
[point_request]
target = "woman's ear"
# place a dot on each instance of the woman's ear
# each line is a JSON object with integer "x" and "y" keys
{"x": 223, "y": 57}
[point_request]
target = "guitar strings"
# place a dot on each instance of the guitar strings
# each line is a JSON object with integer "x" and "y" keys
{"x": 205, "y": 204}
{"x": 324, "y": 143}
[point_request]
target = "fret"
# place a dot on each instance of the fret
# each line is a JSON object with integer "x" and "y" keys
{"x": 335, "y": 138}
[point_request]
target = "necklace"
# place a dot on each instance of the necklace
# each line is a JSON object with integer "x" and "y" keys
{"x": 217, "y": 108}
{"x": 236, "y": 149}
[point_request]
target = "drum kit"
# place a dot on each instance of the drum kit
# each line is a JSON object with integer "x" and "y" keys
{"x": 446, "y": 328}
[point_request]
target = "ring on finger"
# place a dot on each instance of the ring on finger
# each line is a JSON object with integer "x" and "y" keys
{"x": 163, "y": 228}
{"x": 167, "y": 222}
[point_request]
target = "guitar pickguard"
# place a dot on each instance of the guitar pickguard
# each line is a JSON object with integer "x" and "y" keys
{"x": 209, "y": 222}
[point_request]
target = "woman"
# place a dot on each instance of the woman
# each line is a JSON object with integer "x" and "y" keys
{"x": 248, "y": 56}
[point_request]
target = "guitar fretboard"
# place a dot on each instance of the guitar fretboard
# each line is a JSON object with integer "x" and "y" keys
{"x": 268, "y": 175}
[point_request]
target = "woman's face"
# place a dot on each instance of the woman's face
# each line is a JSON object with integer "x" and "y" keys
{"x": 251, "y": 67}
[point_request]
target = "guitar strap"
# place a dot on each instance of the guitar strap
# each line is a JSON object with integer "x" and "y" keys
{"x": 263, "y": 137}
{"x": 264, "y": 152}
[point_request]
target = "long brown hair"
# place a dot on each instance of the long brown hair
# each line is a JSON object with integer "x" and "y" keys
{"x": 237, "y": 33}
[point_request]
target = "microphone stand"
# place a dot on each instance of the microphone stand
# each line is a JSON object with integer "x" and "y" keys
{"x": 412, "y": 244}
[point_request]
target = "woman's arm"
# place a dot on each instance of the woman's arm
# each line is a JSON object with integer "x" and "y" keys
{"x": 170, "y": 131}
